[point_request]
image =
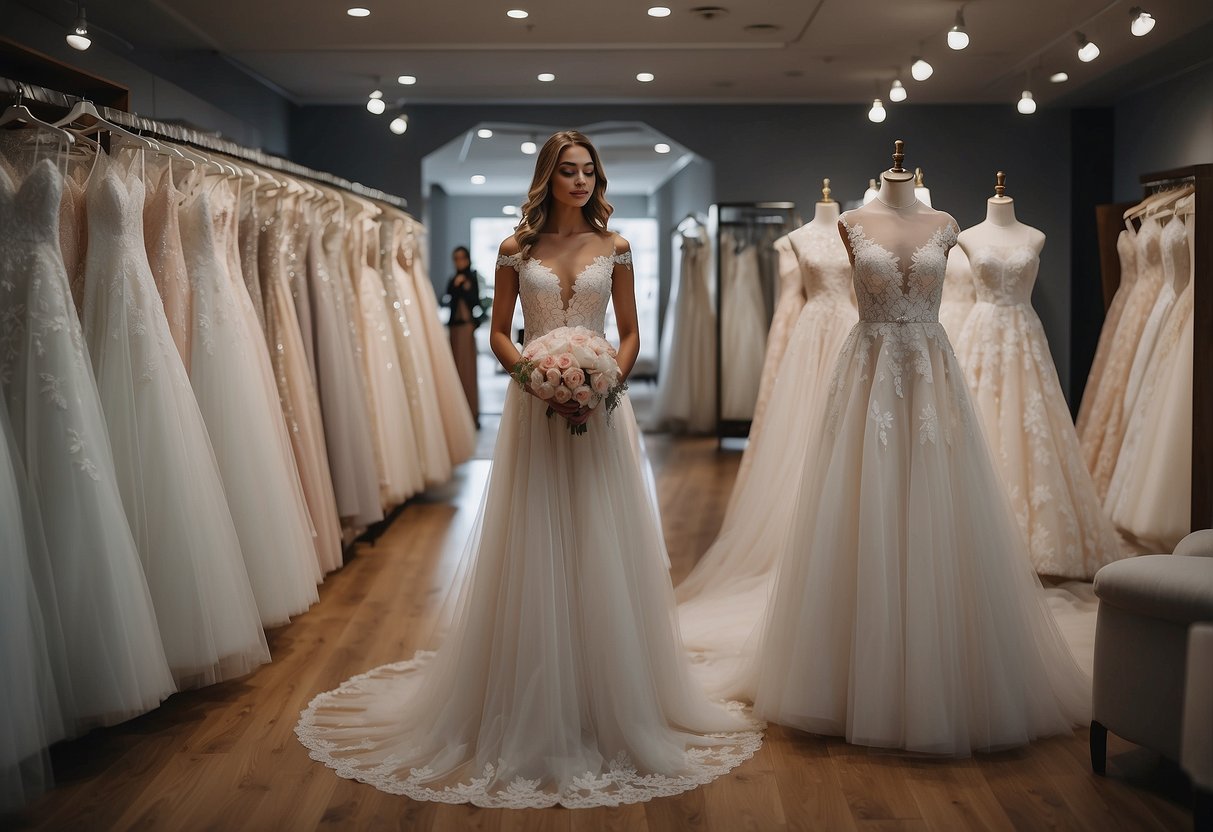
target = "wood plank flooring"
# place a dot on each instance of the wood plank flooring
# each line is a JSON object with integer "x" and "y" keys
{"x": 226, "y": 758}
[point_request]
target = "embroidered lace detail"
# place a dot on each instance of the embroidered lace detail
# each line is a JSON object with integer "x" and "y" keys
{"x": 543, "y": 307}
{"x": 621, "y": 782}
{"x": 514, "y": 261}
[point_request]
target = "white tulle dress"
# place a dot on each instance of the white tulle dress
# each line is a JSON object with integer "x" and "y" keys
{"x": 908, "y": 615}
{"x": 561, "y": 678}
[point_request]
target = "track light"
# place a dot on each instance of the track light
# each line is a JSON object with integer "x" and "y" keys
{"x": 375, "y": 103}
{"x": 1087, "y": 51}
{"x": 958, "y": 37}
{"x": 897, "y": 92}
{"x": 877, "y": 113}
{"x": 399, "y": 124}
{"x": 1026, "y": 103}
{"x": 78, "y": 37}
{"x": 920, "y": 69}
{"x": 1142, "y": 22}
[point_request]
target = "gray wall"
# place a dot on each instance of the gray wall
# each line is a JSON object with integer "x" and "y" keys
{"x": 199, "y": 88}
{"x": 1167, "y": 126}
{"x": 769, "y": 152}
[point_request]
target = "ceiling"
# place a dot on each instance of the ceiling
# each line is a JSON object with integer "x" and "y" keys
{"x": 626, "y": 148}
{"x": 468, "y": 51}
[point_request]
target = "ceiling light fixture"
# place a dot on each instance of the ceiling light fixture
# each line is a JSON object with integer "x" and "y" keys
{"x": 897, "y": 92}
{"x": 1142, "y": 22}
{"x": 1026, "y": 103}
{"x": 509, "y": 210}
{"x": 546, "y": 77}
{"x": 478, "y": 179}
{"x": 528, "y": 147}
{"x": 958, "y": 37}
{"x": 645, "y": 77}
{"x": 920, "y": 69}
{"x": 375, "y": 103}
{"x": 1087, "y": 51}
{"x": 484, "y": 133}
{"x": 1059, "y": 77}
{"x": 399, "y": 124}
{"x": 877, "y": 114}
{"x": 661, "y": 147}
{"x": 659, "y": 11}
{"x": 78, "y": 38}
{"x": 407, "y": 80}
{"x": 358, "y": 11}
{"x": 518, "y": 14}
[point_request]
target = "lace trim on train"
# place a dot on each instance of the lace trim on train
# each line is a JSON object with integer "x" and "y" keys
{"x": 620, "y": 784}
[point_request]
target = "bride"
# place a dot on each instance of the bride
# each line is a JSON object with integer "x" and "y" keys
{"x": 561, "y": 678}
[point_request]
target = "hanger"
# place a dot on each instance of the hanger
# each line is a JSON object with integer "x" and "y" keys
{"x": 20, "y": 114}
{"x": 84, "y": 108}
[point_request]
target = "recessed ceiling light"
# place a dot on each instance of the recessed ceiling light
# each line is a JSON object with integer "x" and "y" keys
{"x": 358, "y": 11}
{"x": 528, "y": 147}
{"x": 518, "y": 14}
{"x": 478, "y": 179}
{"x": 661, "y": 147}
{"x": 407, "y": 80}
{"x": 644, "y": 77}
{"x": 509, "y": 210}
{"x": 762, "y": 27}
{"x": 484, "y": 133}
{"x": 1059, "y": 77}
{"x": 659, "y": 11}
{"x": 546, "y": 76}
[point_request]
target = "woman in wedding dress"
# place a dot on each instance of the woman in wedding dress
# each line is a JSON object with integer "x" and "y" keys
{"x": 908, "y": 615}
{"x": 561, "y": 678}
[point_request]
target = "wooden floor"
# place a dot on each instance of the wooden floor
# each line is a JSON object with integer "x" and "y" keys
{"x": 225, "y": 758}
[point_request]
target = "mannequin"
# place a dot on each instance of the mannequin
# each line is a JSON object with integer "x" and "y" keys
{"x": 825, "y": 214}
{"x": 920, "y": 190}
{"x": 870, "y": 193}
{"x": 1000, "y": 227}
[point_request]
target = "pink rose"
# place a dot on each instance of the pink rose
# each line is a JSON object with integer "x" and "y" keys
{"x": 548, "y": 362}
{"x": 594, "y": 402}
{"x": 582, "y": 395}
{"x": 562, "y": 394}
{"x": 600, "y": 383}
{"x": 584, "y": 356}
{"x": 553, "y": 376}
{"x": 532, "y": 350}
{"x": 579, "y": 339}
{"x": 546, "y": 391}
{"x": 537, "y": 377}
{"x": 564, "y": 362}
{"x": 574, "y": 378}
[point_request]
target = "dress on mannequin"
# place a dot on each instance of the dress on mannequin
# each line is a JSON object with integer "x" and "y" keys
{"x": 959, "y": 294}
{"x": 166, "y": 470}
{"x": 561, "y": 678}
{"x": 1025, "y": 418}
{"x": 907, "y": 615}
{"x": 787, "y": 310}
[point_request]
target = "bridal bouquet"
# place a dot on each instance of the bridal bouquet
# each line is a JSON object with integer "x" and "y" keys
{"x": 572, "y": 364}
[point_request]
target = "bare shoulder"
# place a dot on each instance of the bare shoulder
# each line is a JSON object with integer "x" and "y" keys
{"x": 509, "y": 247}
{"x": 621, "y": 244}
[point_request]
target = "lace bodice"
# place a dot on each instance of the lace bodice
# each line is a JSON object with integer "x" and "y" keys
{"x": 543, "y": 308}
{"x": 824, "y": 267}
{"x": 884, "y": 292}
{"x": 1176, "y": 260}
{"x": 1004, "y": 274}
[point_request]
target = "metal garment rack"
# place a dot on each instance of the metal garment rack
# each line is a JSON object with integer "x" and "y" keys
{"x": 196, "y": 138}
{"x": 781, "y": 215}
{"x": 1201, "y": 177}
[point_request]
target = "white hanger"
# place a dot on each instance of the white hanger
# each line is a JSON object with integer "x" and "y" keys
{"x": 84, "y": 108}
{"x": 21, "y": 114}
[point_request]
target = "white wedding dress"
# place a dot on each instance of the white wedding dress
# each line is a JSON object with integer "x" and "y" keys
{"x": 686, "y": 383}
{"x": 743, "y": 331}
{"x": 561, "y": 678}
{"x": 907, "y": 615}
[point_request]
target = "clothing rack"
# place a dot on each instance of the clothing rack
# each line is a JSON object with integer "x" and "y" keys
{"x": 1201, "y": 177}
{"x": 197, "y": 138}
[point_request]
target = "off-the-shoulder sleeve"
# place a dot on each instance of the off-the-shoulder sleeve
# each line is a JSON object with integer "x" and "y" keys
{"x": 623, "y": 258}
{"x": 514, "y": 261}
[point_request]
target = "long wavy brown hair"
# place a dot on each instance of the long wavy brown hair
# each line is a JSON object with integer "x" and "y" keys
{"x": 539, "y": 200}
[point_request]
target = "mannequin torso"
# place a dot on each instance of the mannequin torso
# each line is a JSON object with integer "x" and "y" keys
{"x": 1000, "y": 228}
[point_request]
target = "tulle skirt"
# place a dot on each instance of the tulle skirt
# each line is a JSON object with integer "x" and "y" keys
{"x": 560, "y": 677}
{"x": 908, "y": 616}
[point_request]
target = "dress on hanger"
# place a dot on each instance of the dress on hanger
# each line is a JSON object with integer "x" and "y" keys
{"x": 114, "y": 652}
{"x": 787, "y": 311}
{"x": 1108, "y": 418}
{"x": 686, "y": 382}
{"x": 166, "y": 470}
{"x": 279, "y": 265}
{"x": 561, "y": 678}
{"x": 743, "y": 332}
{"x": 1127, "y": 254}
{"x": 959, "y": 294}
{"x": 249, "y": 236}
{"x": 162, "y": 237}
{"x": 907, "y": 614}
{"x": 234, "y": 385}
{"x": 725, "y": 594}
{"x": 1026, "y": 421}
{"x": 1151, "y": 493}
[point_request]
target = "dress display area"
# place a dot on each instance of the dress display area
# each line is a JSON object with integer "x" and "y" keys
{"x": 1026, "y": 421}
{"x": 743, "y": 327}
{"x": 907, "y": 615}
{"x": 561, "y": 678}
